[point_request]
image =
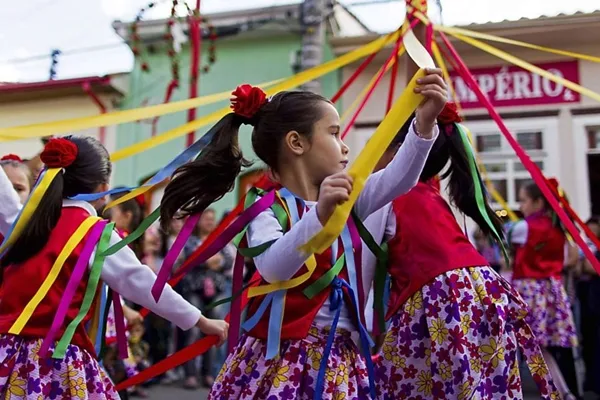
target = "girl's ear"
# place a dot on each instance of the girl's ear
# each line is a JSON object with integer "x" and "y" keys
{"x": 296, "y": 143}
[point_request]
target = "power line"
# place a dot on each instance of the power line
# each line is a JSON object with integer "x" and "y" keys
{"x": 65, "y": 53}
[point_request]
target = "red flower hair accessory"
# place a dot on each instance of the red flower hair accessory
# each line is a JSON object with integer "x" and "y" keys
{"x": 59, "y": 153}
{"x": 449, "y": 114}
{"x": 11, "y": 157}
{"x": 553, "y": 182}
{"x": 247, "y": 100}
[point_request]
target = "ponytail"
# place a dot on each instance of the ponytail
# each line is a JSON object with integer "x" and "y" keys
{"x": 37, "y": 231}
{"x": 210, "y": 176}
{"x": 463, "y": 178}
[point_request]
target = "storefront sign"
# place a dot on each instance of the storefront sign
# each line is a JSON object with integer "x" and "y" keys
{"x": 514, "y": 86}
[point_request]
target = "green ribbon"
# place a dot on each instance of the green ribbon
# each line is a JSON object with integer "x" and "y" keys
{"x": 149, "y": 220}
{"x": 480, "y": 199}
{"x": 90, "y": 292}
{"x": 325, "y": 280}
{"x": 381, "y": 254}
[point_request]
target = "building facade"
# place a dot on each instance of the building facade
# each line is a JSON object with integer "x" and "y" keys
{"x": 38, "y": 102}
{"x": 559, "y": 128}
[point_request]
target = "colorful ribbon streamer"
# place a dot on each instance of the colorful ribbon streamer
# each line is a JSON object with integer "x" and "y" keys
{"x": 533, "y": 169}
{"x": 90, "y": 292}
{"x": 78, "y": 271}
{"x": 73, "y": 241}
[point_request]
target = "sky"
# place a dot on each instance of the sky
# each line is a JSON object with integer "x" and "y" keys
{"x": 30, "y": 29}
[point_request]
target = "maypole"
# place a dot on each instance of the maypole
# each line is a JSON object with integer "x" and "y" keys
{"x": 195, "y": 33}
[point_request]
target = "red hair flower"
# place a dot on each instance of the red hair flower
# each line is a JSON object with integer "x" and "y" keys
{"x": 247, "y": 100}
{"x": 449, "y": 114}
{"x": 11, "y": 157}
{"x": 59, "y": 153}
{"x": 553, "y": 182}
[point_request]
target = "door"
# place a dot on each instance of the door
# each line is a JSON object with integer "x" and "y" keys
{"x": 594, "y": 182}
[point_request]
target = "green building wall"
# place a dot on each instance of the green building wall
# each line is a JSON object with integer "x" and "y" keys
{"x": 239, "y": 60}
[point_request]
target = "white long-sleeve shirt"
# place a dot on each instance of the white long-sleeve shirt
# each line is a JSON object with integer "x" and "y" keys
{"x": 282, "y": 260}
{"x": 121, "y": 271}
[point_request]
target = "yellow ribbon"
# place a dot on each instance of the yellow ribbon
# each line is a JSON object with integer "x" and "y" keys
{"x": 311, "y": 266}
{"x": 73, "y": 241}
{"x": 375, "y": 147}
{"x": 288, "y": 84}
{"x": 365, "y": 163}
{"x": 32, "y": 204}
{"x": 485, "y": 36}
{"x": 112, "y": 118}
{"x": 527, "y": 66}
{"x": 119, "y": 117}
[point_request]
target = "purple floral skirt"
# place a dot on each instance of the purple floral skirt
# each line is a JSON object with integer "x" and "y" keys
{"x": 550, "y": 318}
{"x": 23, "y": 375}
{"x": 248, "y": 375}
{"x": 458, "y": 338}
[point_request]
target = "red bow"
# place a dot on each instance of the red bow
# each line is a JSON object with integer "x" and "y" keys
{"x": 247, "y": 100}
{"x": 449, "y": 114}
{"x": 59, "y": 153}
{"x": 11, "y": 157}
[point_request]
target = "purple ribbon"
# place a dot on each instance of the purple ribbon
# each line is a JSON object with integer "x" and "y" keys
{"x": 120, "y": 326}
{"x": 220, "y": 241}
{"x": 78, "y": 271}
{"x": 165, "y": 270}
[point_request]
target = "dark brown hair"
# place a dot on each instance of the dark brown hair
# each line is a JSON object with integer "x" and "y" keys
{"x": 535, "y": 193}
{"x": 201, "y": 182}
{"x": 461, "y": 185}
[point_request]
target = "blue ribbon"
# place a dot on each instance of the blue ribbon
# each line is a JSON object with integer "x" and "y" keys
{"x": 276, "y": 300}
{"x": 335, "y": 304}
{"x": 350, "y": 262}
{"x": 162, "y": 174}
{"x": 103, "y": 301}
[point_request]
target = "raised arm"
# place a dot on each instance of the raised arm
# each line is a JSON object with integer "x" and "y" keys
{"x": 10, "y": 205}
{"x": 401, "y": 175}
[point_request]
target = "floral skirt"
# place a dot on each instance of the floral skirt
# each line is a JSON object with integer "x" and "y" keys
{"x": 550, "y": 318}
{"x": 248, "y": 375}
{"x": 23, "y": 375}
{"x": 458, "y": 338}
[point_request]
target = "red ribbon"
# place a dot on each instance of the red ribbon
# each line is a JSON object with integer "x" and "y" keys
{"x": 533, "y": 169}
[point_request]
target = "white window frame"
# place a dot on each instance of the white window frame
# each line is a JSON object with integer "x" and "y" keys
{"x": 581, "y": 177}
{"x": 549, "y": 155}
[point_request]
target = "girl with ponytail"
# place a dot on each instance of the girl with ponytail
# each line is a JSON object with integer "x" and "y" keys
{"x": 52, "y": 259}
{"x": 540, "y": 245}
{"x": 297, "y": 342}
{"x": 455, "y": 325}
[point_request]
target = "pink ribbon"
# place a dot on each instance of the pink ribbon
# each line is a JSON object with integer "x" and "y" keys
{"x": 236, "y": 303}
{"x": 165, "y": 270}
{"x": 78, "y": 271}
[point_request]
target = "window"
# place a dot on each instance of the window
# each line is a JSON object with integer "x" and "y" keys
{"x": 503, "y": 168}
{"x": 594, "y": 139}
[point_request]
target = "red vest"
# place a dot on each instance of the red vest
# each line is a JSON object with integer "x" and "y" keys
{"x": 299, "y": 311}
{"x": 542, "y": 256}
{"x": 21, "y": 282}
{"x": 428, "y": 243}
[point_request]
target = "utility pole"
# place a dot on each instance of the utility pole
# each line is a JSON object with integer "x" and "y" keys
{"x": 312, "y": 19}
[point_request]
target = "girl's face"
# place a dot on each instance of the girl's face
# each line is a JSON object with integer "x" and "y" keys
{"x": 152, "y": 242}
{"x": 121, "y": 219}
{"x": 176, "y": 226}
{"x": 325, "y": 153}
{"x": 20, "y": 181}
{"x": 528, "y": 205}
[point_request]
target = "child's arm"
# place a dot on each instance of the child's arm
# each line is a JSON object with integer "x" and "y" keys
{"x": 10, "y": 204}
{"x": 124, "y": 273}
{"x": 401, "y": 175}
{"x": 282, "y": 260}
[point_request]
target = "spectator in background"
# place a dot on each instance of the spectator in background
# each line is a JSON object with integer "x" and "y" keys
{"x": 202, "y": 285}
{"x": 488, "y": 249}
{"x": 588, "y": 294}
